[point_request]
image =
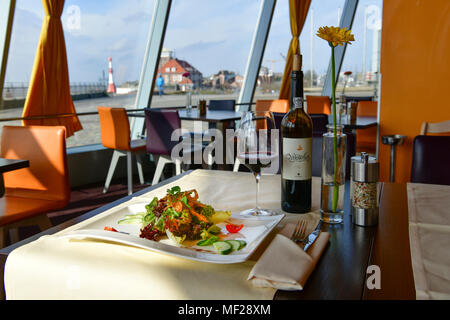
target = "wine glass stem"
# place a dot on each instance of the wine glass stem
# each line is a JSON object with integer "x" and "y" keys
{"x": 257, "y": 178}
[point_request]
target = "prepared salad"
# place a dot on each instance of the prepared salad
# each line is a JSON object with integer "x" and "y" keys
{"x": 181, "y": 216}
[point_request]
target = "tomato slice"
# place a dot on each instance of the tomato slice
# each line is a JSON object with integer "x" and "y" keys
{"x": 234, "y": 228}
{"x": 110, "y": 229}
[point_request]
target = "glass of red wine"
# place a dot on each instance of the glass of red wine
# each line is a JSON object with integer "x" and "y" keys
{"x": 257, "y": 149}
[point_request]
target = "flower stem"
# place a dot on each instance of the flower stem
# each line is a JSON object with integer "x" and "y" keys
{"x": 333, "y": 80}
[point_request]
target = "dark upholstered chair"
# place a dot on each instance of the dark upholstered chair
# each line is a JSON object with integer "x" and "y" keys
{"x": 227, "y": 105}
{"x": 357, "y": 99}
{"x": 160, "y": 124}
{"x": 431, "y": 159}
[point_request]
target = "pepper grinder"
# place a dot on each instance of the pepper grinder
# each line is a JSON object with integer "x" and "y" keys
{"x": 364, "y": 190}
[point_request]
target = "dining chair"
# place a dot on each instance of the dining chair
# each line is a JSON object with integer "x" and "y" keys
{"x": 318, "y": 104}
{"x": 226, "y": 105}
{"x": 160, "y": 124}
{"x": 430, "y": 160}
{"x": 366, "y": 139}
{"x": 115, "y": 134}
{"x": 439, "y": 128}
{"x": 42, "y": 187}
{"x": 278, "y": 105}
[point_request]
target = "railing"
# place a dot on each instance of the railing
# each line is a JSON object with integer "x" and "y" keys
{"x": 64, "y": 115}
{"x": 18, "y": 90}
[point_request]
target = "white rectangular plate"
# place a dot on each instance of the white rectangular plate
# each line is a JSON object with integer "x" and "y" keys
{"x": 254, "y": 231}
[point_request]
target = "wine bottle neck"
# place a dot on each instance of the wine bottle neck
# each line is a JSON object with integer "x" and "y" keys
{"x": 296, "y": 90}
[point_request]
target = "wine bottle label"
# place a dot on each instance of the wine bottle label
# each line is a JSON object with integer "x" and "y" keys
{"x": 297, "y": 154}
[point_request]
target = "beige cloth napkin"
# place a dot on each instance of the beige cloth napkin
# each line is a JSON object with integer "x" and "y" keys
{"x": 429, "y": 235}
{"x": 284, "y": 265}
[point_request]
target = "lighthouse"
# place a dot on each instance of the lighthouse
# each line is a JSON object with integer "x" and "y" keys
{"x": 111, "y": 85}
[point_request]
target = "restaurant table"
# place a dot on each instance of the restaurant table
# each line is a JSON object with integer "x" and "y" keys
{"x": 219, "y": 118}
{"x": 10, "y": 165}
{"x": 341, "y": 271}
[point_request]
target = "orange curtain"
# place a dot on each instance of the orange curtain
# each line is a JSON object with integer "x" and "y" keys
{"x": 298, "y": 10}
{"x": 49, "y": 89}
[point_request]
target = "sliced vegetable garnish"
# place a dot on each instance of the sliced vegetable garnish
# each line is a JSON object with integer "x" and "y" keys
{"x": 243, "y": 243}
{"x": 223, "y": 247}
{"x": 233, "y": 228}
{"x": 236, "y": 245}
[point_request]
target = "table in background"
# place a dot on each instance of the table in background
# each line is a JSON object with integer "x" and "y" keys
{"x": 219, "y": 119}
{"x": 10, "y": 165}
{"x": 361, "y": 122}
{"x": 341, "y": 271}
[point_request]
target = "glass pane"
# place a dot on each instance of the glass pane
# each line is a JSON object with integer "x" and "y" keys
{"x": 315, "y": 51}
{"x": 362, "y": 57}
{"x": 94, "y": 31}
{"x": 205, "y": 50}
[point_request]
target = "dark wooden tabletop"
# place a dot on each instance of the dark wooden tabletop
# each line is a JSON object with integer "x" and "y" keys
{"x": 10, "y": 164}
{"x": 341, "y": 271}
{"x": 211, "y": 115}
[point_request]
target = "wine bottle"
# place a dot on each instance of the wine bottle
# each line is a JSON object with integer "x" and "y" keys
{"x": 296, "y": 133}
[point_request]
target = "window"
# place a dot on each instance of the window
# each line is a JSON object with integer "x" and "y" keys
{"x": 93, "y": 31}
{"x": 207, "y": 43}
{"x": 167, "y": 69}
{"x": 362, "y": 57}
{"x": 315, "y": 51}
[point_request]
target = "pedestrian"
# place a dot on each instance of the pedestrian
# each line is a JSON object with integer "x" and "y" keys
{"x": 160, "y": 84}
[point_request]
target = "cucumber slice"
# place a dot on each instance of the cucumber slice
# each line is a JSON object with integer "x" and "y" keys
{"x": 236, "y": 245}
{"x": 223, "y": 247}
{"x": 243, "y": 244}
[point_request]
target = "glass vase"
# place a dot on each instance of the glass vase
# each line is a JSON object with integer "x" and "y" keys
{"x": 333, "y": 175}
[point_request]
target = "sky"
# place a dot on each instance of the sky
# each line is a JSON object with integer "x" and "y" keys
{"x": 212, "y": 35}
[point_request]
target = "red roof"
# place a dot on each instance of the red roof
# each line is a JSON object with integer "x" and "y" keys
{"x": 180, "y": 66}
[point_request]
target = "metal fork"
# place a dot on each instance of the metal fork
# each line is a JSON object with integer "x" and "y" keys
{"x": 300, "y": 234}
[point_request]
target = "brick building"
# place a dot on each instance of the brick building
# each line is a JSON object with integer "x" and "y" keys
{"x": 173, "y": 70}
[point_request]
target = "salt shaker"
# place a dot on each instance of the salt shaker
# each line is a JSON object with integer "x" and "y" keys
{"x": 364, "y": 190}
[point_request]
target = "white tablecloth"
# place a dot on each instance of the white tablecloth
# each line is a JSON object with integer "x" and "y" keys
{"x": 52, "y": 268}
{"x": 429, "y": 234}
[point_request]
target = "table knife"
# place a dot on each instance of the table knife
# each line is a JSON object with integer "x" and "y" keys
{"x": 312, "y": 236}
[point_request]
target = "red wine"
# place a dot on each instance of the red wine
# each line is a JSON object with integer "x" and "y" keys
{"x": 296, "y": 132}
{"x": 257, "y": 160}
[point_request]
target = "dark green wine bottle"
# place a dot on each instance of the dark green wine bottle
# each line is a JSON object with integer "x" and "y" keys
{"x": 296, "y": 133}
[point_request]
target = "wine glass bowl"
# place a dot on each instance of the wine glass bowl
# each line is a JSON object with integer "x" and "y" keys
{"x": 257, "y": 149}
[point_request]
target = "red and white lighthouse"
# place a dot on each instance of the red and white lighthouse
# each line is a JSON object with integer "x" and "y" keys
{"x": 111, "y": 85}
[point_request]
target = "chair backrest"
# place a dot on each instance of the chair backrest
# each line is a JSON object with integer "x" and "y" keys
{"x": 430, "y": 160}
{"x": 160, "y": 124}
{"x": 114, "y": 128}
{"x": 320, "y": 121}
{"x": 45, "y": 148}
{"x": 439, "y": 128}
{"x": 227, "y": 105}
{"x": 318, "y": 104}
{"x": 279, "y": 105}
{"x": 367, "y": 109}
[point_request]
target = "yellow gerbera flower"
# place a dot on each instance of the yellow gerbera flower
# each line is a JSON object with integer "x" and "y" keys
{"x": 335, "y": 36}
